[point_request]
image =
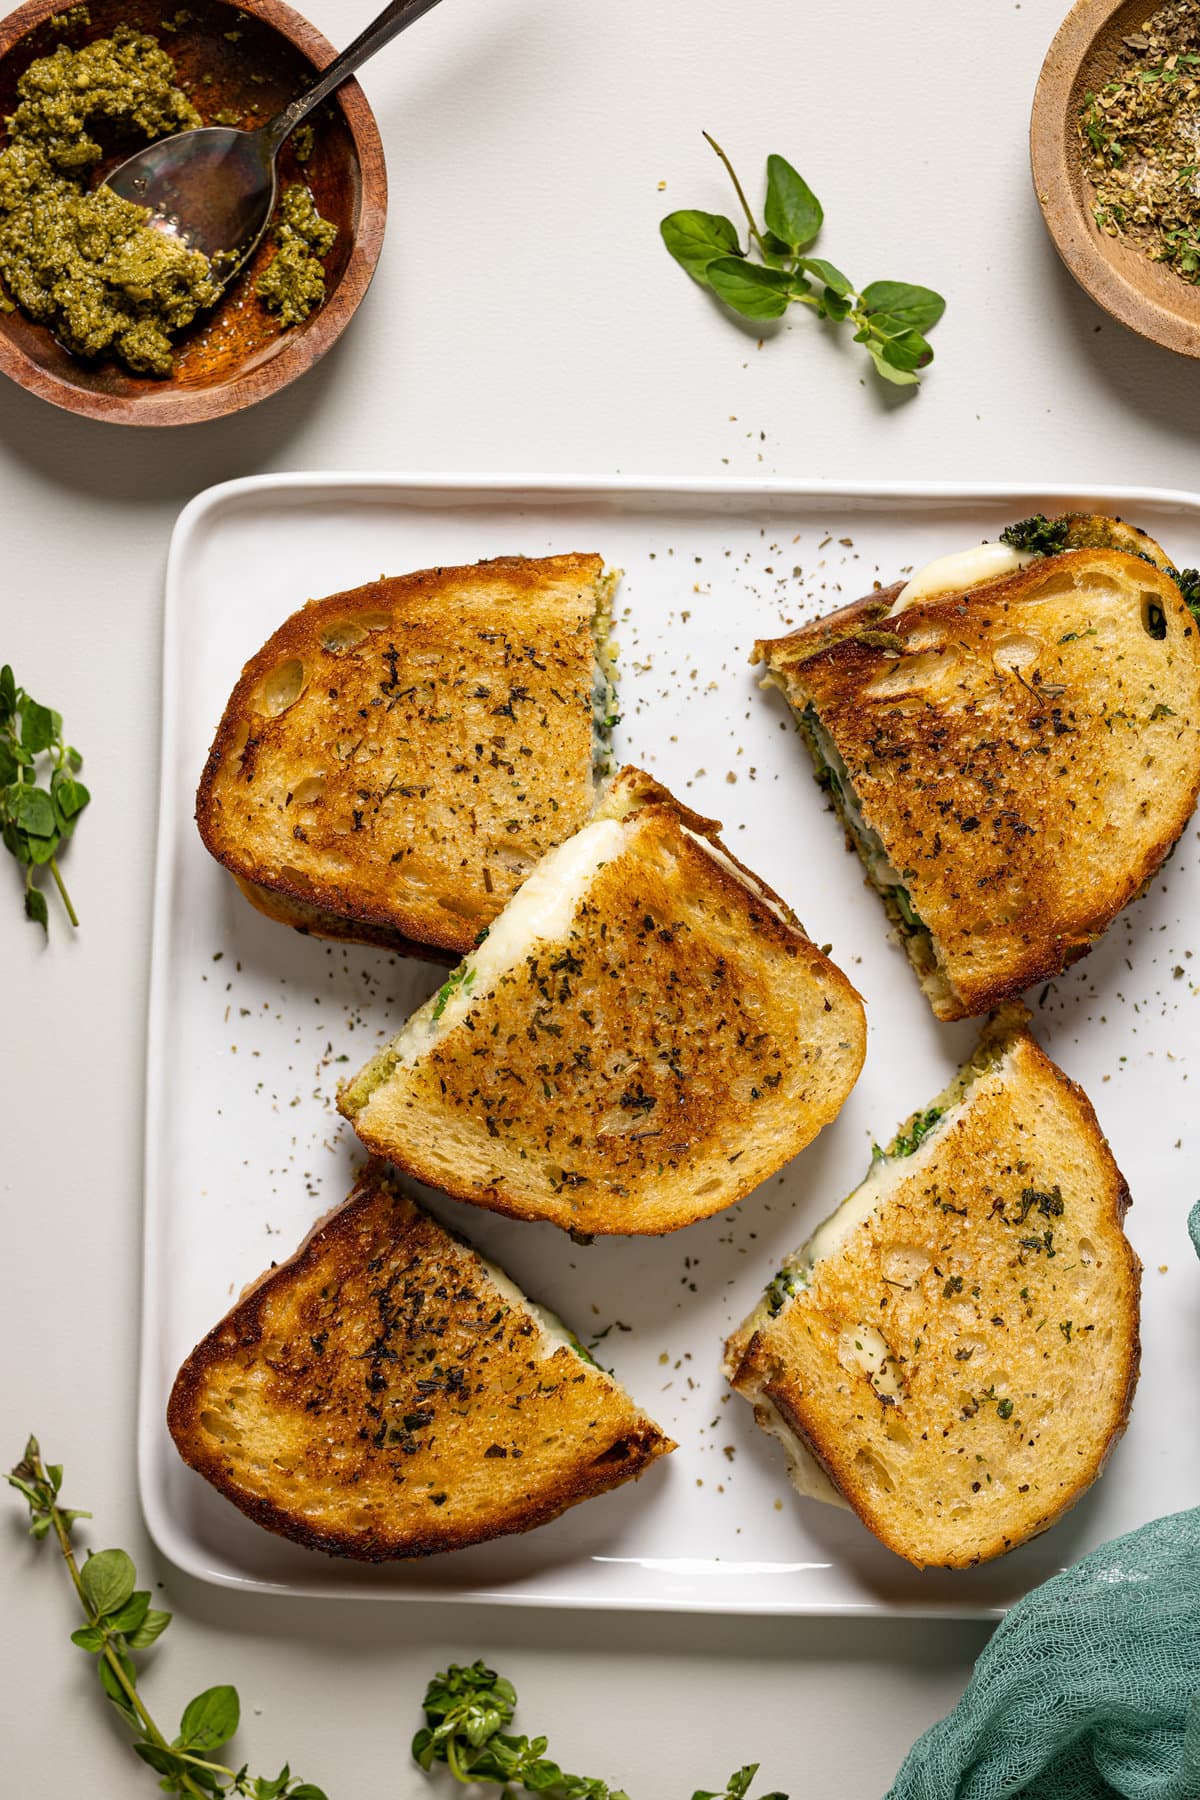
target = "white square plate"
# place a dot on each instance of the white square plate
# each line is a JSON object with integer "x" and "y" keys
{"x": 252, "y": 1025}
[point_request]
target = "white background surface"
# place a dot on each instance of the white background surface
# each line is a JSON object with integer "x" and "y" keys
{"x": 524, "y": 316}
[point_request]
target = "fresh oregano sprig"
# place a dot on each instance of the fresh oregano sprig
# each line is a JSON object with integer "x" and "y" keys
{"x": 466, "y": 1711}
{"x": 120, "y": 1621}
{"x": 889, "y": 318}
{"x": 35, "y": 821}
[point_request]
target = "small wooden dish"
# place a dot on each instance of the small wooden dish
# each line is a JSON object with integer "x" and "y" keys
{"x": 248, "y": 61}
{"x": 1147, "y": 296}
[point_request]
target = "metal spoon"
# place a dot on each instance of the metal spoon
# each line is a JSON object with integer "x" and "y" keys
{"x": 215, "y": 188}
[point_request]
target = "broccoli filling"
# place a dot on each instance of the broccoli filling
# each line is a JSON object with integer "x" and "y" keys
{"x": 915, "y": 1129}
{"x": 1040, "y": 536}
{"x": 791, "y": 1279}
{"x": 919, "y": 1128}
{"x": 604, "y": 678}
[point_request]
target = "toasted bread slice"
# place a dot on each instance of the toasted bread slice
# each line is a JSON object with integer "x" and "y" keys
{"x": 953, "y": 1354}
{"x": 395, "y": 759}
{"x": 644, "y": 1036}
{"x": 1013, "y": 762}
{"x": 389, "y": 1393}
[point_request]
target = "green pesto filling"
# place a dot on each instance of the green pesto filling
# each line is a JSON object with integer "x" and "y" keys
{"x": 919, "y": 1125}
{"x": 791, "y": 1279}
{"x": 919, "y": 1128}
{"x": 833, "y": 774}
{"x": 605, "y": 715}
{"x": 377, "y": 1071}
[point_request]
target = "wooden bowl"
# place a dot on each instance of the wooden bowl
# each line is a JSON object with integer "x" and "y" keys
{"x": 247, "y": 60}
{"x": 1147, "y": 296}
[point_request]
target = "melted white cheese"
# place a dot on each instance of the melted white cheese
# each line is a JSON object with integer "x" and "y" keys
{"x": 740, "y": 875}
{"x": 542, "y": 907}
{"x": 865, "y": 1348}
{"x": 960, "y": 570}
{"x": 556, "y": 1332}
{"x": 855, "y": 1210}
{"x": 804, "y": 1471}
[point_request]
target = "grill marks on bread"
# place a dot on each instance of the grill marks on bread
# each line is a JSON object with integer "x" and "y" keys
{"x": 395, "y": 759}
{"x": 681, "y": 1041}
{"x": 996, "y": 1275}
{"x": 380, "y": 1396}
{"x": 1028, "y": 754}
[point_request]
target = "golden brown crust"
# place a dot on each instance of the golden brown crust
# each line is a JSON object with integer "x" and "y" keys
{"x": 822, "y": 634}
{"x": 674, "y": 1048}
{"x": 313, "y": 921}
{"x": 395, "y": 759}
{"x": 1028, "y": 754}
{"x": 377, "y": 1396}
{"x": 999, "y": 1278}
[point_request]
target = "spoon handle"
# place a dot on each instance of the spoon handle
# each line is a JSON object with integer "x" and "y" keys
{"x": 391, "y": 21}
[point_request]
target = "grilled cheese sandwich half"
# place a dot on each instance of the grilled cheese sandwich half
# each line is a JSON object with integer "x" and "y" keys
{"x": 644, "y": 1034}
{"x": 395, "y": 759}
{"x": 953, "y": 1353}
{"x": 388, "y": 1392}
{"x": 1012, "y": 742}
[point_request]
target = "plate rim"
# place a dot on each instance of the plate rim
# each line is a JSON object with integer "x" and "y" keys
{"x": 487, "y": 486}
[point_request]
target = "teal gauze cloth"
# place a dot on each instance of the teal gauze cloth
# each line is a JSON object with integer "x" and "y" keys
{"x": 1090, "y": 1688}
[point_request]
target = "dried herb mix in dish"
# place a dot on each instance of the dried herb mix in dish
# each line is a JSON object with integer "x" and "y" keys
{"x": 86, "y": 262}
{"x": 1140, "y": 135}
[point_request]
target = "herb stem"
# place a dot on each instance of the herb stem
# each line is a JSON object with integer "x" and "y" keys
{"x": 110, "y": 1656}
{"x": 755, "y": 233}
{"x": 62, "y": 888}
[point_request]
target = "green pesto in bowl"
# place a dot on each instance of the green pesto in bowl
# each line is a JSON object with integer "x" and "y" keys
{"x": 85, "y": 262}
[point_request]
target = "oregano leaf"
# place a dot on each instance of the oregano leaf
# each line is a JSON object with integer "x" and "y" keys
{"x": 910, "y": 308}
{"x": 150, "y": 1629}
{"x": 211, "y": 1719}
{"x": 37, "y": 726}
{"x": 752, "y": 291}
{"x": 160, "y": 1758}
{"x": 792, "y": 211}
{"x": 107, "y": 1581}
{"x": 36, "y": 821}
{"x": 898, "y": 377}
{"x": 132, "y": 1613}
{"x": 114, "y": 1690}
{"x": 696, "y": 238}
{"x": 828, "y": 273}
{"x": 908, "y": 351}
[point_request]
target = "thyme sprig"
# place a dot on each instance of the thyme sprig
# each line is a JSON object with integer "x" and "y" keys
{"x": 36, "y": 821}
{"x": 120, "y": 1621}
{"x": 466, "y": 1712}
{"x": 889, "y": 318}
